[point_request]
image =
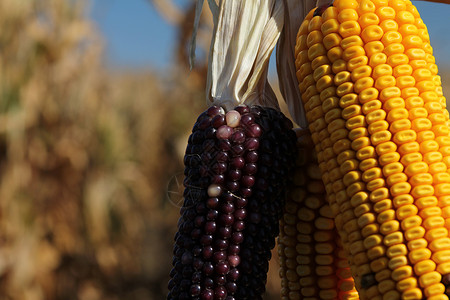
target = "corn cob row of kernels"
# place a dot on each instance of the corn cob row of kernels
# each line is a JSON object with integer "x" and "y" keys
{"x": 313, "y": 263}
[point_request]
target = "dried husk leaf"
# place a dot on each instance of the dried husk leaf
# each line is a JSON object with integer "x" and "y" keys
{"x": 294, "y": 13}
{"x": 245, "y": 33}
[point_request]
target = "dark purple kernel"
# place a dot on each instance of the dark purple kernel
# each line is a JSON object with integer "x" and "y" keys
{"x": 218, "y": 121}
{"x": 234, "y": 175}
{"x": 251, "y": 144}
{"x": 208, "y": 145}
{"x": 207, "y": 295}
{"x": 220, "y": 293}
{"x": 204, "y": 171}
{"x": 206, "y": 157}
{"x": 227, "y": 208}
{"x": 214, "y": 110}
{"x": 254, "y": 130}
{"x": 250, "y": 168}
{"x": 231, "y": 287}
{"x": 197, "y": 277}
{"x": 241, "y": 202}
{"x": 184, "y": 284}
{"x": 242, "y": 109}
{"x": 206, "y": 239}
{"x": 201, "y": 208}
{"x": 248, "y": 181}
{"x": 221, "y": 280}
{"x": 212, "y": 214}
{"x": 233, "y": 186}
{"x": 222, "y": 268}
{"x": 195, "y": 290}
{"x": 237, "y": 238}
{"x": 219, "y": 256}
{"x": 246, "y": 192}
{"x": 240, "y": 214}
{"x": 212, "y": 202}
{"x": 210, "y": 133}
{"x": 237, "y": 162}
{"x": 203, "y": 124}
{"x": 210, "y": 227}
{"x": 228, "y": 197}
{"x": 220, "y": 244}
{"x": 224, "y": 145}
{"x": 196, "y": 233}
{"x": 234, "y": 249}
{"x": 199, "y": 221}
{"x": 197, "y": 263}
{"x": 238, "y": 150}
{"x": 196, "y": 250}
{"x": 238, "y": 137}
{"x": 208, "y": 268}
{"x": 233, "y": 274}
{"x": 218, "y": 179}
{"x": 239, "y": 225}
{"x": 186, "y": 258}
{"x": 208, "y": 282}
{"x": 225, "y": 232}
{"x": 197, "y": 137}
{"x": 251, "y": 157}
{"x": 222, "y": 156}
{"x": 247, "y": 119}
{"x": 219, "y": 168}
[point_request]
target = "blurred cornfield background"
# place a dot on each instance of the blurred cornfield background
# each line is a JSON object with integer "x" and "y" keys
{"x": 90, "y": 158}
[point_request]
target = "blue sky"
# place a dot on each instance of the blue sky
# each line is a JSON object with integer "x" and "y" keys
{"x": 137, "y": 37}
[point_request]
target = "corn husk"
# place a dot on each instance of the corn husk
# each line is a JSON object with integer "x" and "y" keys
{"x": 294, "y": 13}
{"x": 244, "y": 36}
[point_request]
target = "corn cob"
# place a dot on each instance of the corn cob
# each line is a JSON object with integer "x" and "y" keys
{"x": 308, "y": 241}
{"x": 378, "y": 120}
{"x": 237, "y": 170}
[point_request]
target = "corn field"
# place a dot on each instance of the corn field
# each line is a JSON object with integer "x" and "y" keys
{"x": 90, "y": 160}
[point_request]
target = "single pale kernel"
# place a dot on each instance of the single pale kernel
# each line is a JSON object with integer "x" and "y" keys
{"x": 233, "y": 118}
{"x": 214, "y": 190}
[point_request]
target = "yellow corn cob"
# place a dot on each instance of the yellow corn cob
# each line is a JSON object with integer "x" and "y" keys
{"x": 380, "y": 127}
{"x": 313, "y": 263}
